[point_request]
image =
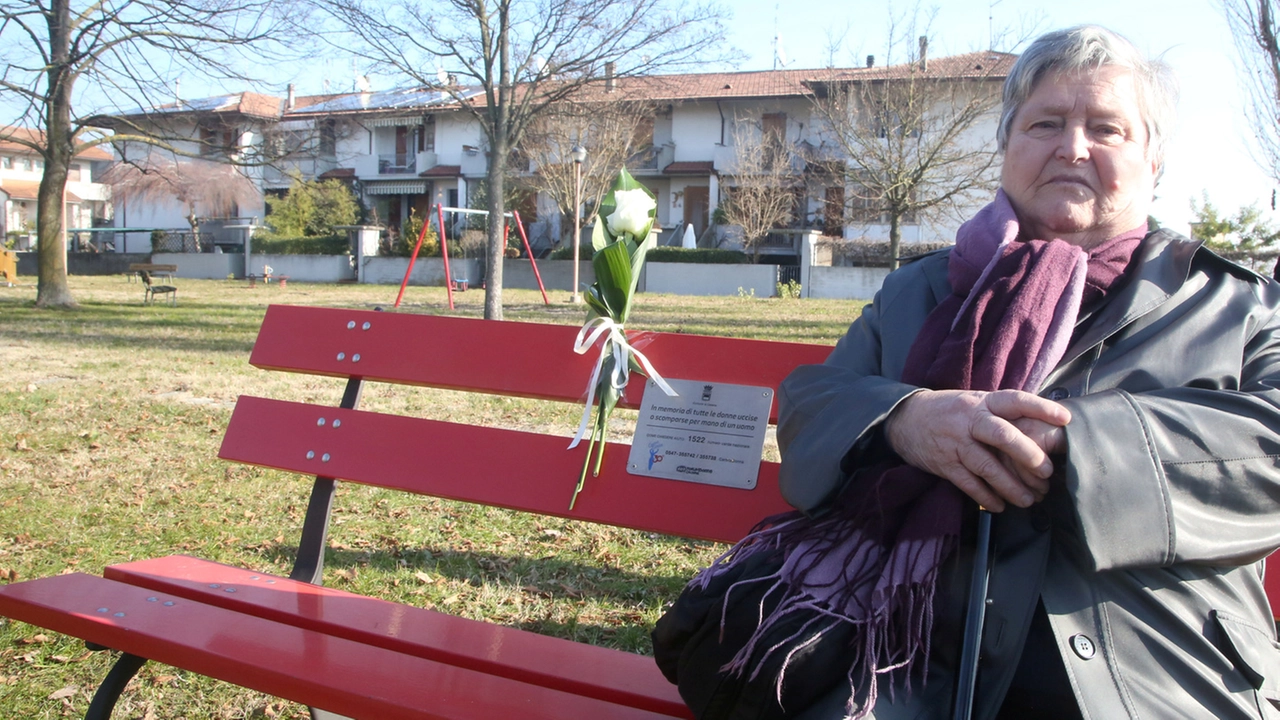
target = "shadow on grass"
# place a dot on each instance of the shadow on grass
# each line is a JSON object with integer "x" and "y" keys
{"x": 551, "y": 577}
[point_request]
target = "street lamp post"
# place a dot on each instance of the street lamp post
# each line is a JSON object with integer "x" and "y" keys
{"x": 579, "y": 154}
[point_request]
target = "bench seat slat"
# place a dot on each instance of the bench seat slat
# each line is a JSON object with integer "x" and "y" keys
{"x": 509, "y": 358}
{"x": 331, "y": 673}
{"x": 602, "y": 673}
{"x": 533, "y": 472}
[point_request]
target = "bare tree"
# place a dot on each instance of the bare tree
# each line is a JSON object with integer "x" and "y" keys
{"x": 909, "y": 135}
{"x": 121, "y": 50}
{"x": 204, "y": 187}
{"x": 516, "y": 58}
{"x": 1253, "y": 24}
{"x": 764, "y": 179}
{"x": 614, "y": 130}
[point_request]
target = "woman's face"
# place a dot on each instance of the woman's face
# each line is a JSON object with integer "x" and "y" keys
{"x": 1076, "y": 165}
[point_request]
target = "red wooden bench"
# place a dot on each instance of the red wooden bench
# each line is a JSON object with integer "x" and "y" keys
{"x": 367, "y": 658}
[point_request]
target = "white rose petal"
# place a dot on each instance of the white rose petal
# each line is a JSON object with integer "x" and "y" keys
{"x": 632, "y": 212}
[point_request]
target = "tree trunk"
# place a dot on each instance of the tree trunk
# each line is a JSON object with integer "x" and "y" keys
{"x": 895, "y": 238}
{"x": 495, "y": 248}
{"x": 51, "y": 254}
{"x": 499, "y": 131}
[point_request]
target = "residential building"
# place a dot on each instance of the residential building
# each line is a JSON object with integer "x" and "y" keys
{"x": 404, "y": 151}
{"x": 88, "y": 201}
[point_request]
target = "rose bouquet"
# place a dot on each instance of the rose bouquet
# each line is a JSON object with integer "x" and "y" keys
{"x": 619, "y": 240}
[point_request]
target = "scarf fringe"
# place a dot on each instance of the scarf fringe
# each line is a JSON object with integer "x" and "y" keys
{"x": 891, "y": 622}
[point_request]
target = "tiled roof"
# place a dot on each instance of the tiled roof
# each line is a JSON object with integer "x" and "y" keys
{"x": 983, "y": 64}
{"x": 787, "y": 83}
{"x": 687, "y": 86}
{"x": 442, "y": 171}
{"x": 338, "y": 174}
{"x": 398, "y": 100}
{"x": 678, "y": 87}
{"x": 686, "y": 167}
{"x": 29, "y": 190}
{"x": 245, "y": 103}
{"x": 36, "y": 136}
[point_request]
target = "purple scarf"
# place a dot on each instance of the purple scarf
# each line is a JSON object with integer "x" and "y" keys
{"x": 872, "y": 562}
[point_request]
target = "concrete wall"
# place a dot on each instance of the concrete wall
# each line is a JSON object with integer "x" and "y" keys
{"x": 86, "y": 263}
{"x": 556, "y": 274}
{"x": 426, "y": 271}
{"x": 300, "y": 268}
{"x": 210, "y": 266}
{"x": 698, "y": 279}
{"x": 853, "y": 283}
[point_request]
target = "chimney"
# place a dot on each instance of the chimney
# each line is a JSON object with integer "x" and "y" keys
{"x": 871, "y": 61}
{"x": 609, "y": 84}
{"x": 290, "y": 99}
{"x": 924, "y": 53}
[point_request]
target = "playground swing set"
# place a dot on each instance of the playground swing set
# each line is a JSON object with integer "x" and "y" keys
{"x": 444, "y": 250}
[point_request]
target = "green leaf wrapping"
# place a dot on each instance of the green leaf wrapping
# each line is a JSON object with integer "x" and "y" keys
{"x": 599, "y": 238}
{"x": 617, "y": 262}
{"x": 613, "y": 275}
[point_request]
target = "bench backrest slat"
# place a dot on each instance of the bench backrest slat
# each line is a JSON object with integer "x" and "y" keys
{"x": 491, "y": 466}
{"x": 506, "y": 358}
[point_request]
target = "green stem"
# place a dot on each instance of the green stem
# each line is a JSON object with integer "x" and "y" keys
{"x": 586, "y": 462}
{"x": 599, "y": 455}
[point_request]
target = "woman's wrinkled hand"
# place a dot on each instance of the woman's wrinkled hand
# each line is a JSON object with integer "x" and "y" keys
{"x": 993, "y": 446}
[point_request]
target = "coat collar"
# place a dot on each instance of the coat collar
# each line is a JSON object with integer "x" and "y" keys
{"x": 1163, "y": 267}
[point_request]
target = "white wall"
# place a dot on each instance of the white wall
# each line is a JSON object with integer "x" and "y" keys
{"x": 426, "y": 271}
{"x": 854, "y": 283}
{"x": 209, "y": 266}
{"x": 697, "y": 279}
{"x": 695, "y": 129}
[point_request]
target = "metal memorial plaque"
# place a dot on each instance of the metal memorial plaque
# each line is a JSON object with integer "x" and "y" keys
{"x": 712, "y": 433}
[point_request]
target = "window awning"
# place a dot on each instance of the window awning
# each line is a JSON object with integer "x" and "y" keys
{"x": 395, "y": 188}
{"x": 401, "y": 121}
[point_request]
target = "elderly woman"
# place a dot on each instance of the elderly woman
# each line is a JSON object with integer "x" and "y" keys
{"x": 1110, "y": 394}
{"x": 1123, "y": 428}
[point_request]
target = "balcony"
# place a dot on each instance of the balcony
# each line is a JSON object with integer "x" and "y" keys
{"x": 398, "y": 164}
{"x": 652, "y": 159}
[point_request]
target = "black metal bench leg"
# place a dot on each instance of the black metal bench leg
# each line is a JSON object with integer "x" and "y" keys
{"x": 104, "y": 700}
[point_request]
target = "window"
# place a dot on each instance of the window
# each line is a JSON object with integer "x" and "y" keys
{"x": 6, "y": 163}
{"x": 427, "y": 134}
{"x": 774, "y": 127}
{"x": 73, "y": 172}
{"x": 27, "y": 164}
{"x": 870, "y": 206}
{"x": 329, "y": 138}
{"x": 216, "y": 140}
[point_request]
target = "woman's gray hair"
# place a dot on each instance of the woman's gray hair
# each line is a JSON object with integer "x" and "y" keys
{"x": 1086, "y": 48}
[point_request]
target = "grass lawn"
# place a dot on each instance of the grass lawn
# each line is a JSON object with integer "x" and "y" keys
{"x": 110, "y": 420}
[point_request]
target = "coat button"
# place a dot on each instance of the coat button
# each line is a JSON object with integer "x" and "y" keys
{"x": 1059, "y": 393}
{"x": 1084, "y": 647}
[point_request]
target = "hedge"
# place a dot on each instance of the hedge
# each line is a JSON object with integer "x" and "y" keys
{"x": 318, "y": 245}
{"x": 865, "y": 253}
{"x": 667, "y": 254}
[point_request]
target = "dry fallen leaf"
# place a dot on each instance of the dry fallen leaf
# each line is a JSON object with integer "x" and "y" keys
{"x": 424, "y": 577}
{"x": 34, "y": 639}
{"x": 65, "y": 692}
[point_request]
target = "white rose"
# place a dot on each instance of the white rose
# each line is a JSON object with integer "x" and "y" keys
{"x": 632, "y": 212}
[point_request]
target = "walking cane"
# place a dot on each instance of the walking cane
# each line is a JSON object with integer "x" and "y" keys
{"x": 967, "y": 679}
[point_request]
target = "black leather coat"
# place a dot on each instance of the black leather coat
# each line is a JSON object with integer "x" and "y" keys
{"x": 1148, "y": 552}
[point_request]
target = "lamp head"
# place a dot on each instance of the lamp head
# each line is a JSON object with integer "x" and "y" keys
{"x": 579, "y": 154}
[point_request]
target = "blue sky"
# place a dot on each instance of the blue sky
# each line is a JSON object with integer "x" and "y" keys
{"x": 1212, "y": 149}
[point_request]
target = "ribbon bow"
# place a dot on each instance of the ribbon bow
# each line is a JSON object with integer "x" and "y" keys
{"x": 615, "y": 341}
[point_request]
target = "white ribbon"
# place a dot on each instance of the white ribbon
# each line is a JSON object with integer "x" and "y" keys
{"x": 590, "y": 333}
